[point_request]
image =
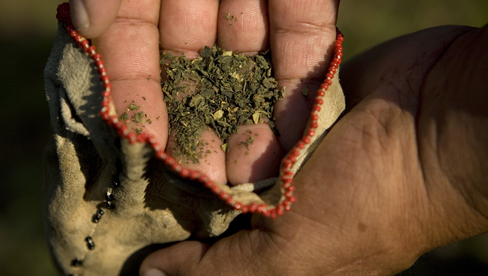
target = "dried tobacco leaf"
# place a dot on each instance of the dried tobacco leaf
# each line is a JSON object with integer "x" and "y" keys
{"x": 219, "y": 90}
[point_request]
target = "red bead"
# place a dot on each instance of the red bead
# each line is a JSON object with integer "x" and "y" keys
{"x": 100, "y": 63}
{"x": 230, "y": 200}
{"x": 319, "y": 102}
{"x": 105, "y": 115}
{"x": 141, "y": 138}
{"x": 301, "y": 145}
{"x": 253, "y": 207}
{"x": 194, "y": 175}
{"x": 209, "y": 184}
{"x": 287, "y": 183}
{"x": 238, "y": 206}
{"x": 161, "y": 154}
{"x": 311, "y": 133}
{"x": 105, "y": 79}
{"x": 156, "y": 146}
{"x": 285, "y": 177}
{"x": 73, "y": 33}
{"x": 295, "y": 152}
{"x": 261, "y": 208}
{"x": 272, "y": 214}
{"x": 105, "y": 102}
{"x": 106, "y": 94}
{"x": 204, "y": 179}
{"x": 290, "y": 189}
{"x": 132, "y": 137}
{"x": 78, "y": 38}
{"x": 97, "y": 57}
{"x": 280, "y": 210}
{"x": 287, "y": 161}
{"x": 306, "y": 140}
{"x": 113, "y": 120}
{"x": 85, "y": 44}
{"x": 314, "y": 124}
{"x": 102, "y": 71}
{"x": 176, "y": 167}
{"x": 324, "y": 86}
{"x": 245, "y": 209}
{"x": 223, "y": 195}
{"x": 316, "y": 107}
{"x": 292, "y": 199}
{"x": 63, "y": 13}
{"x": 169, "y": 161}
{"x": 329, "y": 82}
{"x": 91, "y": 51}
{"x": 184, "y": 173}
{"x": 215, "y": 189}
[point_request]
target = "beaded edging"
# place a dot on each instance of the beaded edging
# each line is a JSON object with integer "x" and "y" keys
{"x": 286, "y": 174}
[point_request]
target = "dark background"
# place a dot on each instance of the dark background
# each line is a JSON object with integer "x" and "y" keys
{"x": 27, "y": 28}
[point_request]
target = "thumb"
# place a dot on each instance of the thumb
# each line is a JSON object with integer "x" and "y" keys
{"x": 180, "y": 259}
{"x": 238, "y": 254}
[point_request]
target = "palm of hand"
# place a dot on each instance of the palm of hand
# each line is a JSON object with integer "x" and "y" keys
{"x": 371, "y": 199}
{"x": 186, "y": 27}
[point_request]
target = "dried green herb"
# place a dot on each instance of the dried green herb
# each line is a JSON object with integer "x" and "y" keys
{"x": 220, "y": 90}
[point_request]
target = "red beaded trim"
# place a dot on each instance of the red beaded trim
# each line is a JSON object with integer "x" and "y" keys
{"x": 63, "y": 15}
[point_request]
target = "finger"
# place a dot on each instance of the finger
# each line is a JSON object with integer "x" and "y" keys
{"x": 243, "y": 26}
{"x": 302, "y": 35}
{"x": 92, "y": 17}
{"x": 212, "y": 162}
{"x": 254, "y": 152}
{"x": 130, "y": 48}
{"x": 186, "y": 27}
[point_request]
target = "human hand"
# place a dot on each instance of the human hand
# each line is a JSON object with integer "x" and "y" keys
{"x": 403, "y": 172}
{"x": 300, "y": 36}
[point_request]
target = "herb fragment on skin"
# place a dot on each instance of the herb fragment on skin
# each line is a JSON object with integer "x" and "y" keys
{"x": 133, "y": 107}
{"x": 305, "y": 92}
{"x": 219, "y": 90}
{"x": 124, "y": 117}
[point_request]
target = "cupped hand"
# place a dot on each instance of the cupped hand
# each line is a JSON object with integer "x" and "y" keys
{"x": 404, "y": 171}
{"x": 130, "y": 35}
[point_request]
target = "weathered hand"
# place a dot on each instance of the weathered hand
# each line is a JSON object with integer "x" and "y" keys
{"x": 300, "y": 35}
{"x": 404, "y": 171}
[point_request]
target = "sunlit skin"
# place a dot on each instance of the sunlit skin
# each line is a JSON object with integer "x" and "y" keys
{"x": 300, "y": 49}
{"x": 402, "y": 172}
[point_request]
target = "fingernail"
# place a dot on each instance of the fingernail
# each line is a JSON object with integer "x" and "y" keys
{"x": 80, "y": 16}
{"x": 154, "y": 272}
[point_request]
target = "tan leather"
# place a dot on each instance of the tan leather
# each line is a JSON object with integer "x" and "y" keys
{"x": 151, "y": 204}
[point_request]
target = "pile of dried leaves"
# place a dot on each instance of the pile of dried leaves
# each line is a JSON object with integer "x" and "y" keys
{"x": 219, "y": 89}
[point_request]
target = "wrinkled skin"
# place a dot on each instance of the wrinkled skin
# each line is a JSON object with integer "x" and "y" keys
{"x": 402, "y": 172}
